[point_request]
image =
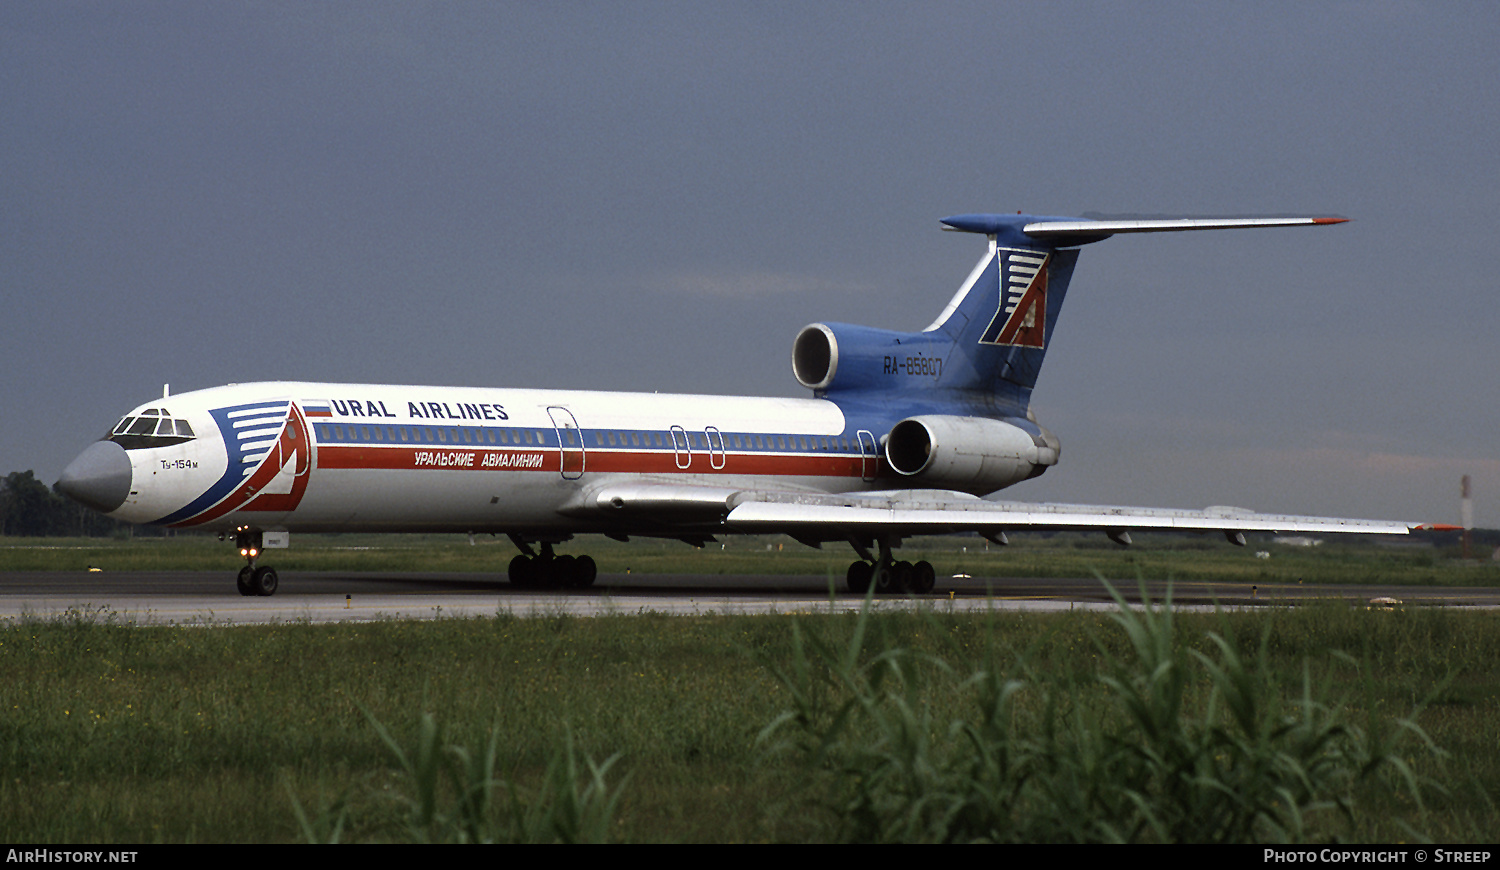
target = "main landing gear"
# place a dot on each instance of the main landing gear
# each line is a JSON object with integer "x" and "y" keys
{"x": 546, "y": 570}
{"x": 252, "y": 580}
{"x": 887, "y": 575}
{"x": 891, "y": 578}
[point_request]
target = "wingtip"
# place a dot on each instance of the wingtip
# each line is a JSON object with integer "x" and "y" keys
{"x": 1330, "y": 220}
{"x": 1436, "y": 527}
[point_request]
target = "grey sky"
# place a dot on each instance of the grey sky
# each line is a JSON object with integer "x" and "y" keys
{"x": 657, "y": 196}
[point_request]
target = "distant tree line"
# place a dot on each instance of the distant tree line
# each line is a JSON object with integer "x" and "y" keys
{"x": 29, "y": 508}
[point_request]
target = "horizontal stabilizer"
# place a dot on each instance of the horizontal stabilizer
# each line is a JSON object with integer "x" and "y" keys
{"x": 1078, "y": 231}
{"x": 1057, "y": 230}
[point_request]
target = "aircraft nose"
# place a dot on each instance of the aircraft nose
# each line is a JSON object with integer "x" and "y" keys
{"x": 99, "y": 477}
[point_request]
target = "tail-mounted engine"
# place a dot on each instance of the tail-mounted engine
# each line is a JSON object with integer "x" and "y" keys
{"x": 840, "y": 356}
{"x": 815, "y": 356}
{"x": 970, "y": 454}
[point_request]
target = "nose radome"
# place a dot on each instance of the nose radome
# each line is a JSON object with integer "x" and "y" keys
{"x": 99, "y": 477}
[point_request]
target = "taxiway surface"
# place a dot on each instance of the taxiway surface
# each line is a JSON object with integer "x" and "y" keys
{"x": 182, "y": 597}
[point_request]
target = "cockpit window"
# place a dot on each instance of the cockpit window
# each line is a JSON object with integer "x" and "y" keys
{"x": 153, "y": 428}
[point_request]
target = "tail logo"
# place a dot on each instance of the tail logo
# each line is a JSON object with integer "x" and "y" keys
{"x": 1021, "y": 314}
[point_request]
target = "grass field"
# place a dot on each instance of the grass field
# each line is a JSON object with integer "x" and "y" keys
{"x": 649, "y": 728}
{"x": 117, "y": 734}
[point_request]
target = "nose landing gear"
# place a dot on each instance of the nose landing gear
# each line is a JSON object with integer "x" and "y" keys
{"x": 261, "y": 581}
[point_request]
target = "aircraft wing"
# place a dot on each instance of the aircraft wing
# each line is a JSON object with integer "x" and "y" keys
{"x": 939, "y": 512}
{"x": 809, "y": 515}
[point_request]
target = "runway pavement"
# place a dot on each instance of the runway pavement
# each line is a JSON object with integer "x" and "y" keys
{"x": 162, "y": 598}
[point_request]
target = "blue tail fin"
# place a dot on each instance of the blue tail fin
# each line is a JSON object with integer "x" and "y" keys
{"x": 1001, "y": 319}
{"x": 986, "y": 349}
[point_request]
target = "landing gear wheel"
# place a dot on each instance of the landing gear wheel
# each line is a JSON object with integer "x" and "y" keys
{"x": 924, "y": 577}
{"x": 545, "y": 572}
{"x": 522, "y": 574}
{"x": 891, "y": 577}
{"x": 585, "y": 571}
{"x": 858, "y": 577}
{"x": 243, "y": 581}
{"x": 264, "y": 581}
{"x": 535, "y": 572}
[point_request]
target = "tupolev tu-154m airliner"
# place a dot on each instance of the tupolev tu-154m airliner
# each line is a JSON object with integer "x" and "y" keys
{"x": 904, "y": 433}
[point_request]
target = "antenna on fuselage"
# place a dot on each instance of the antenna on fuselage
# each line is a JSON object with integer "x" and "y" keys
{"x": 166, "y": 391}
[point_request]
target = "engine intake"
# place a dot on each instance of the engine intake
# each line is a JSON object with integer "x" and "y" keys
{"x": 970, "y": 454}
{"x": 815, "y": 356}
{"x": 830, "y": 357}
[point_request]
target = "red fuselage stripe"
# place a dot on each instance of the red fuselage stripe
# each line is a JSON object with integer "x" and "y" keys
{"x": 598, "y": 460}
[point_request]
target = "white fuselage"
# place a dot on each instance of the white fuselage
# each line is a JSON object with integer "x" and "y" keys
{"x": 332, "y": 457}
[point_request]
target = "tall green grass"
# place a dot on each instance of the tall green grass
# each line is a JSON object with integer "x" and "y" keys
{"x": 455, "y": 794}
{"x": 1165, "y": 744}
{"x": 885, "y": 726}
